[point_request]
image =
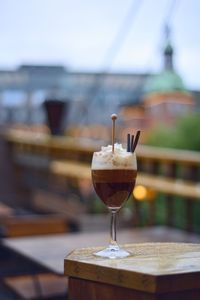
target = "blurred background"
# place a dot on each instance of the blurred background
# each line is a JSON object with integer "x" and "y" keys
{"x": 96, "y": 56}
{"x": 65, "y": 67}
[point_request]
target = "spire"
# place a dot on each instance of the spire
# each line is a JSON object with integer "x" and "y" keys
{"x": 168, "y": 50}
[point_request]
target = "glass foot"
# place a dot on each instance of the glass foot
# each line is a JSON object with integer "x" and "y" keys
{"x": 113, "y": 252}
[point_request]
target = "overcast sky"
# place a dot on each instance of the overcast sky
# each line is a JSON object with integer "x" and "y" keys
{"x": 79, "y": 34}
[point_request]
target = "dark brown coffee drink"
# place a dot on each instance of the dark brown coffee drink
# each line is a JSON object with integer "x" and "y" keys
{"x": 114, "y": 186}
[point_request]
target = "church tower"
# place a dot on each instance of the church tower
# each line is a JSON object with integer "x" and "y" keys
{"x": 168, "y": 50}
{"x": 165, "y": 96}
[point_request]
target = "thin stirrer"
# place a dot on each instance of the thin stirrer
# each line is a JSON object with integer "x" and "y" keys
{"x": 113, "y": 117}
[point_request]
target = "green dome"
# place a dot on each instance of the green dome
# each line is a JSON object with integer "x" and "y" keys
{"x": 165, "y": 82}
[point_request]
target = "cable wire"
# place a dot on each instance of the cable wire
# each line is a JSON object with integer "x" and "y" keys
{"x": 110, "y": 56}
{"x": 121, "y": 35}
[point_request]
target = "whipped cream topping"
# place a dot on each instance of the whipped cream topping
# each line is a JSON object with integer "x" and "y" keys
{"x": 120, "y": 159}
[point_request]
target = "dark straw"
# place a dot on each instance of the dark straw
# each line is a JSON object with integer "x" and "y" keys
{"x": 132, "y": 141}
{"x": 135, "y": 141}
{"x": 128, "y": 142}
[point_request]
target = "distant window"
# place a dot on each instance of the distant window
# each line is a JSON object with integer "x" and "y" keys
{"x": 12, "y": 98}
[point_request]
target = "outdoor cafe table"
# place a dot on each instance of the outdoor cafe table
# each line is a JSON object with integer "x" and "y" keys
{"x": 50, "y": 250}
{"x": 166, "y": 271}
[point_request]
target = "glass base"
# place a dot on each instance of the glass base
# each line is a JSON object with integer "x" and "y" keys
{"x": 113, "y": 252}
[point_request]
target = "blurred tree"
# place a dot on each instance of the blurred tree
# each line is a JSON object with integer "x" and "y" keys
{"x": 184, "y": 135}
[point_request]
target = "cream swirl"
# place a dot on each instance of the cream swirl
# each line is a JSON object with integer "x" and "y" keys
{"x": 120, "y": 159}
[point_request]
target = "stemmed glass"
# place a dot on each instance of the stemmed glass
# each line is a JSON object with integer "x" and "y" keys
{"x": 113, "y": 182}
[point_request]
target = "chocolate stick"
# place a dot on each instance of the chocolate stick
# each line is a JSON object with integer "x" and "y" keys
{"x": 132, "y": 141}
{"x": 113, "y": 117}
{"x": 136, "y": 141}
{"x": 128, "y": 142}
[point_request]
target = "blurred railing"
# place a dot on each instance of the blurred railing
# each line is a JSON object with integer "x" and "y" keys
{"x": 171, "y": 177}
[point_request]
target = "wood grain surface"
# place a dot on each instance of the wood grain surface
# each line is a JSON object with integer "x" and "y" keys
{"x": 153, "y": 267}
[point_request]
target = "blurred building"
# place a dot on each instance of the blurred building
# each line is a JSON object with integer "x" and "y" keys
{"x": 22, "y": 92}
{"x": 141, "y": 99}
{"x": 164, "y": 97}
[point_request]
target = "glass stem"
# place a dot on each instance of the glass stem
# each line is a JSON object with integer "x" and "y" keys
{"x": 113, "y": 235}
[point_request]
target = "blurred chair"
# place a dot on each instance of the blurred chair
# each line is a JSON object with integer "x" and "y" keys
{"x": 30, "y": 225}
{"x": 37, "y": 287}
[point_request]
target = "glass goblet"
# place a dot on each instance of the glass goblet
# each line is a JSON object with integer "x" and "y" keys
{"x": 113, "y": 185}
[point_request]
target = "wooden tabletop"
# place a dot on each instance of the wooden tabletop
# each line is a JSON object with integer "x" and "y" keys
{"x": 153, "y": 267}
{"x": 50, "y": 250}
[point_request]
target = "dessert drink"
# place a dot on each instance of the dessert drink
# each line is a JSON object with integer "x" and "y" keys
{"x": 114, "y": 175}
{"x": 114, "y": 171}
